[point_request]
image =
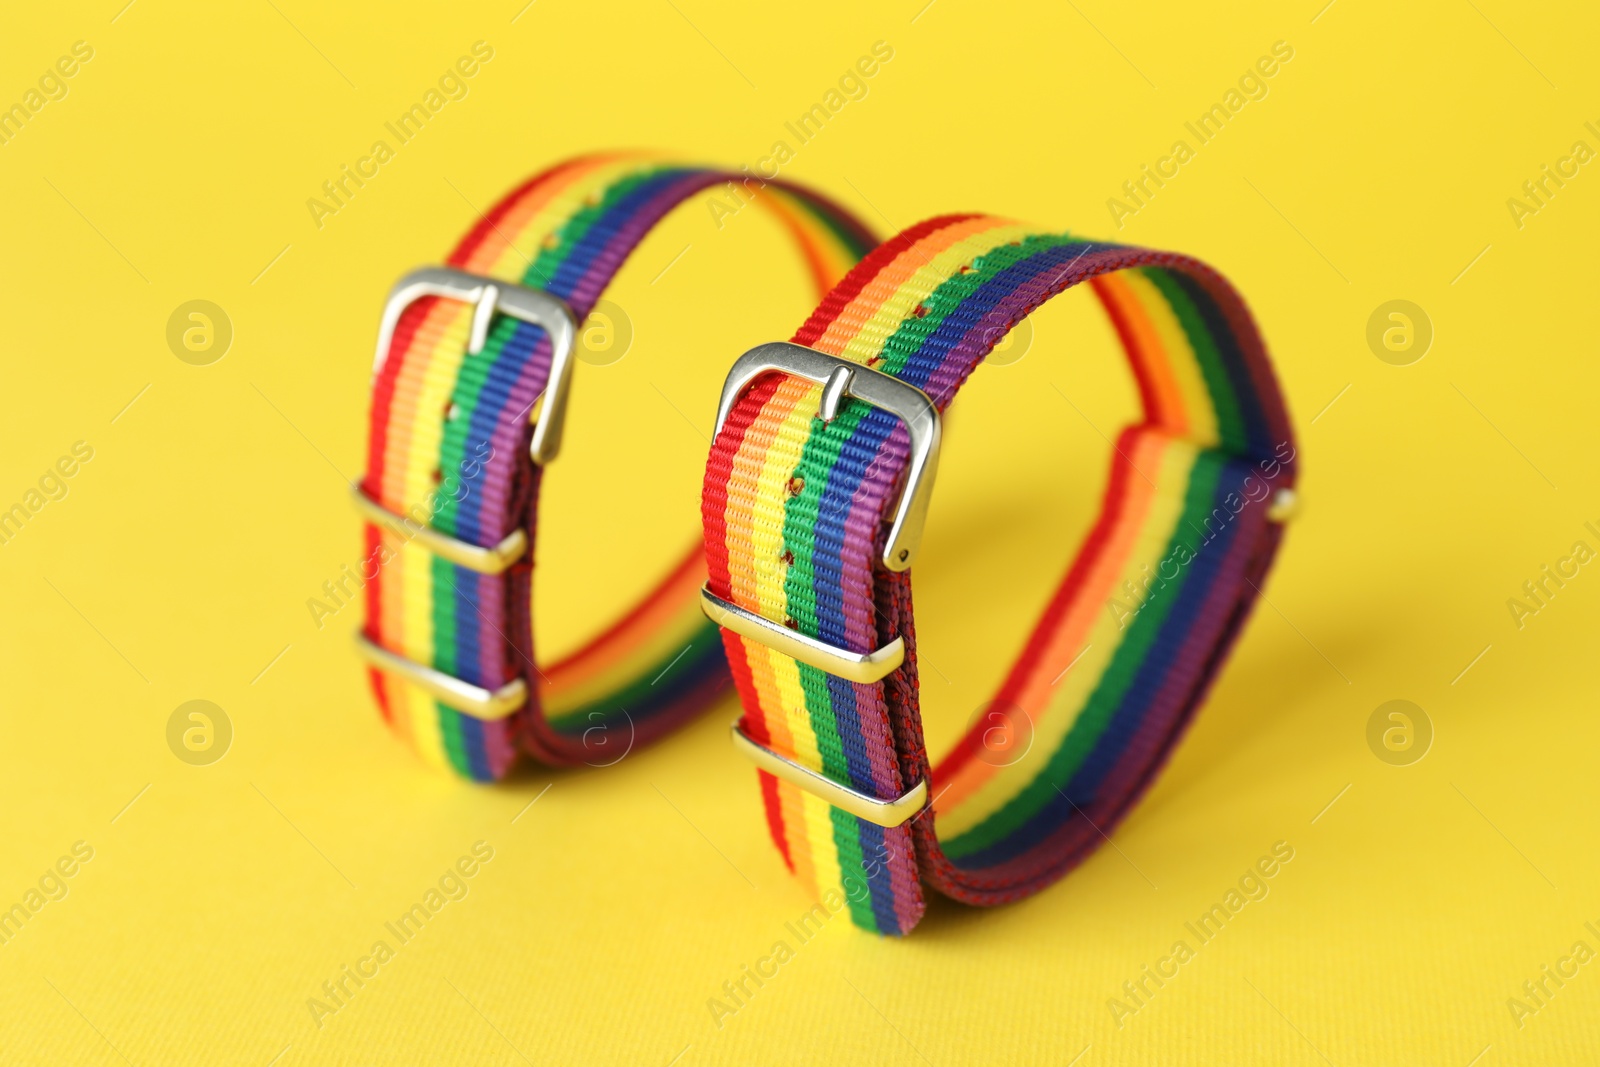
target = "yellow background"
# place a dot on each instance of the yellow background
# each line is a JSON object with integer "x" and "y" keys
{"x": 179, "y": 563}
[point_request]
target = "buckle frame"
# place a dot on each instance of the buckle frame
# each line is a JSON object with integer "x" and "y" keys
{"x": 885, "y": 813}
{"x": 480, "y": 703}
{"x": 490, "y": 295}
{"x": 842, "y": 378}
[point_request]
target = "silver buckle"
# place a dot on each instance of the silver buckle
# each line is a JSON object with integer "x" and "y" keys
{"x": 885, "y": 813}
{"x": 480, "y": 703}
{"x": 841, "y": 378}
{"x": 489, "y": 295}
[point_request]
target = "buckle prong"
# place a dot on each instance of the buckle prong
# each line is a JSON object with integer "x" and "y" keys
{"x": 834, "y": 391}
{"x": 481, "y": 315}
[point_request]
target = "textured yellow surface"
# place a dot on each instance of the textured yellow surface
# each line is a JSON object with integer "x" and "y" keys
{"x": 207, "y": 904}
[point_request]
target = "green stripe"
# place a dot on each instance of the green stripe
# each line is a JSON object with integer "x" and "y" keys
{"x": 1112, "y": 688}
{"x": 464, "y": 397}
{"x": 800, "y": 513}
{"x": 817, "y": 461}
{"x": 454, "y": 745}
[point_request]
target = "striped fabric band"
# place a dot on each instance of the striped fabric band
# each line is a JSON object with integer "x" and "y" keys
{"x": 796, "y": 512}
{"x": 450, "y": 434}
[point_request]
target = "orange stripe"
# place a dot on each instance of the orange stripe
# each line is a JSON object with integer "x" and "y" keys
{"x": 410, "y": 381}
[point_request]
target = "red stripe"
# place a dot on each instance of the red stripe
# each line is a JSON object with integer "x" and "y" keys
{"x": 374, "y": 540}
{"x": 755, "y": 724}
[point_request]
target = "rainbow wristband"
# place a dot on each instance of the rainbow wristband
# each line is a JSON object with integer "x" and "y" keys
{"x": 813, "y": 502}
{"x": 451, "y": 490}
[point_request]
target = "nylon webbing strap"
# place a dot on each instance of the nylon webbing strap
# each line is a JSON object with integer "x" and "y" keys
{"x": 449, "y": 448}
{"x": 796, "y": 511}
